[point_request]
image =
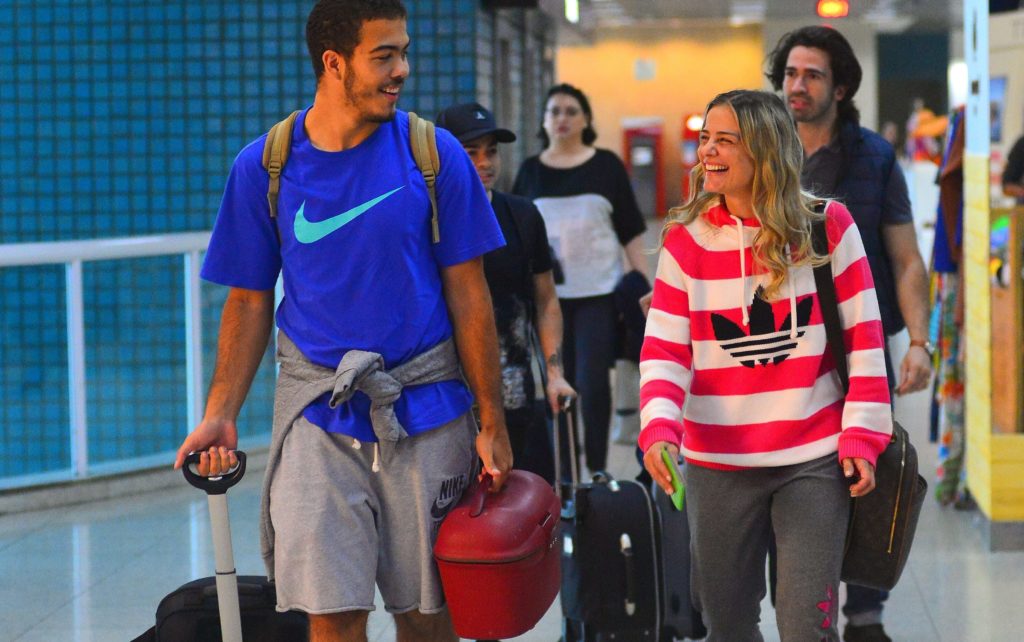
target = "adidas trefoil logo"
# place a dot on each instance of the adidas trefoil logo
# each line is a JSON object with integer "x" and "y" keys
{"x": 764, "y": 343}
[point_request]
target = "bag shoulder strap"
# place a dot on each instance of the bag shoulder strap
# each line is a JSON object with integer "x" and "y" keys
{"x": 424, "y": 150}
{"x": 275, "y": 155}
{"x": 827, "y": 299}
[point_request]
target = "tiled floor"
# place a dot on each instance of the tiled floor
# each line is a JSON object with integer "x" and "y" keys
{"x": 96, "y": 572}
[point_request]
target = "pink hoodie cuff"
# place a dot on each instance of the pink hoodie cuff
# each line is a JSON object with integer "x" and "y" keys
{"x": 864, "y": 446}
{"x": 661, "y": 430}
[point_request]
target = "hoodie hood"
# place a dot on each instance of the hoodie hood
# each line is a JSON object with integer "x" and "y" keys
{"x": 720, "y": 216}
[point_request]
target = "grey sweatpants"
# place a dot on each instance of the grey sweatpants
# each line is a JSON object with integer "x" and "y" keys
{"x": 731, "y": 514}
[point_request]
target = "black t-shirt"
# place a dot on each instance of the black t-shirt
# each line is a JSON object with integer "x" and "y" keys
{"x": 509, "y": 271}
{"x": 590, "y": 212}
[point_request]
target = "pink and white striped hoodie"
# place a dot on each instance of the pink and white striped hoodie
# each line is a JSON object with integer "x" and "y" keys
{"x": 740, "y": 382}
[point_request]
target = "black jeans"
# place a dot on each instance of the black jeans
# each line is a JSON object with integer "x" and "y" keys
{"x": 529, "y": 431}
{"x": 861, "y": 599}
{"x": 588, "y": 348}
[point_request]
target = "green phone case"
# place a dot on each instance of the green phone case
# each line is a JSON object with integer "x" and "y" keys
{"x": 678, "y": 490}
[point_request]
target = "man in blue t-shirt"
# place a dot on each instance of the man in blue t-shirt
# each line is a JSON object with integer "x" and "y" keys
{"x": 373, "y": 438}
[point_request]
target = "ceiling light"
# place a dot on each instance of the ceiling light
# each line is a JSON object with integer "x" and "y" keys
{"x": 572, "y": 11}
{"x": 884, "y": 17}
{"x": 745, "y": 12}
{"x": 833, "y": 8}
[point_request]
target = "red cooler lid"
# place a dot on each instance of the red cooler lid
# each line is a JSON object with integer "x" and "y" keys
{"x": 484, "y": 528}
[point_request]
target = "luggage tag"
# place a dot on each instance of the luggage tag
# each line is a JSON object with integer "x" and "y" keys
{"x": 678, "y": 495}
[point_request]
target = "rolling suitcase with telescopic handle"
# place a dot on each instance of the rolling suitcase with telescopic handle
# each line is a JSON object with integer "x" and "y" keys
{"x": 226, "y": 607}
{"x": 625, "y": 561}
{"x": 609, "y": 556}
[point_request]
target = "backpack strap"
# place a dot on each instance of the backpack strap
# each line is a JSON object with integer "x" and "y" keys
{"x": 275, "y": 155}
{"x": 424, "y": 151}
{"x": 827, "y": 299}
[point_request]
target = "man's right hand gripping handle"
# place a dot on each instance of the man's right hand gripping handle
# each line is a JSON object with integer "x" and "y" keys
{"x": 215, "y": 440}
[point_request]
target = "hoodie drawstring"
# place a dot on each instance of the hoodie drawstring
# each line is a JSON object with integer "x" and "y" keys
{"x": 792, "y": 296}
{"x": 376, "y": 453}
{"x": 743, "y": 272}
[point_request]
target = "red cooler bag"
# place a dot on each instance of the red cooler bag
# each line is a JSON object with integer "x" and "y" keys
{"x": 497, "y": 556}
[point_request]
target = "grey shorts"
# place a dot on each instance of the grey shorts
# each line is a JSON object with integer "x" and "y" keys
{"x": 340, "y": 528}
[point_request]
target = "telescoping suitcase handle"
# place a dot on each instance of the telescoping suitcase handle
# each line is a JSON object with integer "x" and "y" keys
{"x": 569, "y": 409}
{"x": 224, "y": 557}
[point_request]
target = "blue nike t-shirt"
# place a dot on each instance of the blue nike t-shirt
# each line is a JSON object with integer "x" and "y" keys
{"x": 360, "y": 270}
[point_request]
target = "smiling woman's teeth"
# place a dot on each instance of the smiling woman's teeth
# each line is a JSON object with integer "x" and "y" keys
{"x": 715, "y": 168}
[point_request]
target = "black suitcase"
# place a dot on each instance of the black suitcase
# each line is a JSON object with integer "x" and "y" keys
{"x": 224, "y": 608}
{"x": 609, "y": 563}
{"x": 191, "y": 613}
{"x": 614, "y": 584}
{"x": 680, "y": 619}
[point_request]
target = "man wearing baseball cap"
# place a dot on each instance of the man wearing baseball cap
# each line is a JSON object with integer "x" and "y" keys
{"x": 522, "y": 291}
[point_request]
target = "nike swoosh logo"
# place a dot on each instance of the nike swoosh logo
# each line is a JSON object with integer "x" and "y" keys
{"x": 313, "y": 231}
{"x": 438, "y": 511}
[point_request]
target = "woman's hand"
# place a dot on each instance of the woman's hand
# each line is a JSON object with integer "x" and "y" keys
{"x": 861, "y": 474}
{"x": 656, "y": 466}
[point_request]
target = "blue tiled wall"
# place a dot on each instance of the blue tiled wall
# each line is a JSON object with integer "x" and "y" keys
{"x": 442, "y": 55}
{"x": 120, "y": 118}
{"x": 33, "y": 370}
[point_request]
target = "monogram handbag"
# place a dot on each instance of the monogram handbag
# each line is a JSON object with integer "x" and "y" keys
{"x": 883, "y": 522}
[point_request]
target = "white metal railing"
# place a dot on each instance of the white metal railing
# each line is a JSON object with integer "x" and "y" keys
{"x": 72, "y": 254}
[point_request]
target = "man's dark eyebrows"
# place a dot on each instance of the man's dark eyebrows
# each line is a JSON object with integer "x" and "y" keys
{"x": 386, "y": 47}
{"x": 806, "y": 69}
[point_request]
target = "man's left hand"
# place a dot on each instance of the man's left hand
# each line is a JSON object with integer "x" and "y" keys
{"x": 645, "y": 302}
{"x": 495, "y": 452}
{"x": 558, "y": 390}
{"x": 915, "y": 371}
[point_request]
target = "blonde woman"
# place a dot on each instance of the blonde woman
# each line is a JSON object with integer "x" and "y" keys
{"x": 735, "y": 333}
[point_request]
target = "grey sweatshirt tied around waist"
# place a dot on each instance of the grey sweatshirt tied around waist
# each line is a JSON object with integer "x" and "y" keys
{"x": 300, "y": 382}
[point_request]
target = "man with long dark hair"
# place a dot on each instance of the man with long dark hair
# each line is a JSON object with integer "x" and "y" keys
{"x": 819, "y": 74}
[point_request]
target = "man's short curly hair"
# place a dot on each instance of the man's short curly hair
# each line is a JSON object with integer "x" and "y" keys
{"x": 846, "y": 70}
{"x": 334, "y": 25}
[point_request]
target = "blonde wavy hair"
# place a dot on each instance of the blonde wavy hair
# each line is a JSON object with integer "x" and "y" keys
{"x": 786, "y": 212}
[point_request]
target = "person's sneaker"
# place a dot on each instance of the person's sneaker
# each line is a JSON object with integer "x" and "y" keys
{"x": 867, "y": 633}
